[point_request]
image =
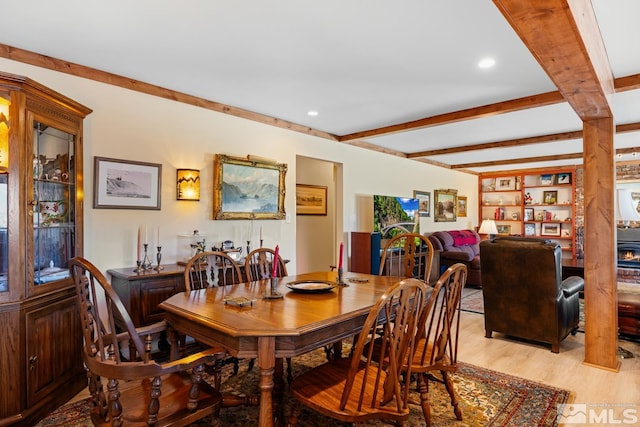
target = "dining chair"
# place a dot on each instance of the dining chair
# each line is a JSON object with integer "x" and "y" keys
{"x": 437, "y": 343}
{"x": 258, "y": 264}
{"x": 140, "y": 390}
{"x": 210, "y": 269}
{"x": 357, "y": 389}
{"x": 407, "y": 255}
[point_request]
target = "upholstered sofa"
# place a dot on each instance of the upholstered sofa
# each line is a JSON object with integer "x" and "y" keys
{"x": 523, "y": 291}
{"x": 459, "y": 246}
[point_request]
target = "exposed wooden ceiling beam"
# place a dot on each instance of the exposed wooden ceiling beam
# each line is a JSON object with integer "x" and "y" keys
{"x": 548, "y": 98}
{"x": 523, "y": 160}
{"x": 73, "y": 69}
{"x": 554, "y": 137}
{"x": 553, "y": 34}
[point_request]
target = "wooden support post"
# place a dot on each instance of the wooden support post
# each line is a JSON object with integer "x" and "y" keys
{"x": 600, "y": 302}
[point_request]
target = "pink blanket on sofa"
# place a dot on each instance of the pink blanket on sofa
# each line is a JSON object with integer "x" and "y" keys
{"x": 463, "y": 237}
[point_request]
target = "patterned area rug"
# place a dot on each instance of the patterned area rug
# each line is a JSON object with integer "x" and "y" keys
{"x": 472, "y": 300}
{"x": 487, "y": 398}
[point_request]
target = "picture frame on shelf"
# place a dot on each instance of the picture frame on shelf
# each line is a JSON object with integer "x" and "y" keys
{"x": 235, "y": 181}
{"x": 503, "y": 229}
{"x": 547, "y": 179}
{"x": 424, "y": 202}
{"x": 548, "y": 216}
{"x": 563, "y": 178}
{"x": 529, "y": 229}
{"x": 539, "y": 216}
{"x": 550, "y": 197}
{"x": 506, "y": 183}
{"x": 444, "y": 205}
{"x": 126, "y": 184}
{"x": 462, "y": 206}
{"x": 311, "y": 199}
{"x": 529, "y": 214}
{"x": 550, "y": 229}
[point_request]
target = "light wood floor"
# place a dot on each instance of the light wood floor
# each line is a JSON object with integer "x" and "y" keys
{"x": 565, "y": 370}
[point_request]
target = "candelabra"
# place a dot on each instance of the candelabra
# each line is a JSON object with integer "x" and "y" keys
{"x": 340, "y": 281}
{"x": 272, "y": 293}
{"x": 146, "y": 262}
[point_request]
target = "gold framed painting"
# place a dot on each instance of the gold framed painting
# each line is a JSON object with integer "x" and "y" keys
{"x": 248, "y": 189}
{"x": 444, "y": 205}
{"x": 462, "y": 206}
{"x": 311, "y": 199}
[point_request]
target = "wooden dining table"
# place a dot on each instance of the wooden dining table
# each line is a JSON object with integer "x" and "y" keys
{"x": 270, "y": 329}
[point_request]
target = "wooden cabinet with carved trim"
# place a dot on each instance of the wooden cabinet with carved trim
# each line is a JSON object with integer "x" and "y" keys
{"x": 40, "y": 230}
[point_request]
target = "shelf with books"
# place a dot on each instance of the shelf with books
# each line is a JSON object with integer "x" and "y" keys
{"x": 535, "y": 203}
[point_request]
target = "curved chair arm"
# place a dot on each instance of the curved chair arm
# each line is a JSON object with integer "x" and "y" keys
{"x": 572, "y": 285}
{"x": 141, "y": 370}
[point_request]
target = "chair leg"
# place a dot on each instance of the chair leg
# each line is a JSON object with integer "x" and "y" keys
{"x": 423, "y": 389}
{"x": 115, "y": 407}
{"x": 296, "y": 408}
{"x": 289, "y": 371}
{"x": 452, "y": 394}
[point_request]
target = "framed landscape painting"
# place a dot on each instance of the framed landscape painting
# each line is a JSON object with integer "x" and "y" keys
{"x": 311, "y": 199}
{"x": 424, "y": 202}
{"x": 126, "y": 184}
{"x": 444, "y": 205}
{"x": 248, "y": 189}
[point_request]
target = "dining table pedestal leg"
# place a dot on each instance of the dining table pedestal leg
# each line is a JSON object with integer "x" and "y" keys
{"x": 266, "y": 363}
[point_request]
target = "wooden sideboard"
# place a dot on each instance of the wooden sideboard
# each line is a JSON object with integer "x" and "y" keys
{"x": 141, "y": 293}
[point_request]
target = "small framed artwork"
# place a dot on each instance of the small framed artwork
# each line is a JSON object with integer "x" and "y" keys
{"x": 529, "y": 214}
{"x": 424, "y": 202}
{"x": 311, "y": 199}
{"x": 504, "y": 229}
{"x": 547, "y": 179}
{"x": 550, "y": 229}
{"x": 444, "y": 205}
{"x": 529, "y": 229}
{"x": 548, "y": 216}
{"x": 539, "y": 216}
{"x": 506, "y": 183}
{"x": 550, "y": 197}
{"x": 248, "y": 189}
{"x": 563, "y": 178}
{"x": 125, "y": 184}
{"x": 462, "y": 206}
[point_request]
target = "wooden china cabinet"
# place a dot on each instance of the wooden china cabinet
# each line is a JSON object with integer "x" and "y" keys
{"x": 40, "y": 230}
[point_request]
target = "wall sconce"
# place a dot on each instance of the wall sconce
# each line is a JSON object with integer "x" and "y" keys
{"x": 188, "y": 182}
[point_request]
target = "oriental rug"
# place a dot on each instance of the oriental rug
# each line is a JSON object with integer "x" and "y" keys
{"x": 487, "y": 398}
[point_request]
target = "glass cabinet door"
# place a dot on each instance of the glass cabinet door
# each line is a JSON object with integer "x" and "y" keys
{"x": 4, "y": 200}
{"x": 54, "y": 203}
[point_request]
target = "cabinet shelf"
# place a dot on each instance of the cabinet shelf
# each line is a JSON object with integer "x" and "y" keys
{"x": 539, "y": 187}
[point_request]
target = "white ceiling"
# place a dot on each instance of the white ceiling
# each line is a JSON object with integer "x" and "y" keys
{"x": 361, "y": 64}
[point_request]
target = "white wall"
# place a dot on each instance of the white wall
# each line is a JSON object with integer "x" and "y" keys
{"x": 133, "y": 126}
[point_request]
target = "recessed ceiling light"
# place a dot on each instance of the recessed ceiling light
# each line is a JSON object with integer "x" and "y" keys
{"x": 486, "y": 63}
{"x": 312, "y": 113}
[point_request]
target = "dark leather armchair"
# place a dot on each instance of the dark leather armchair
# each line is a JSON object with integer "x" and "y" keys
{"x": 524, "y": 294}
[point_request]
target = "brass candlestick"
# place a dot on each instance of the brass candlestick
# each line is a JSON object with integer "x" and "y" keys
{"x": 159, "y": 258}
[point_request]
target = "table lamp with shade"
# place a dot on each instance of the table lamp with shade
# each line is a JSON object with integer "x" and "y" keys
{"x": 626, "y": 207}
{"x": 488, "y": 227}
